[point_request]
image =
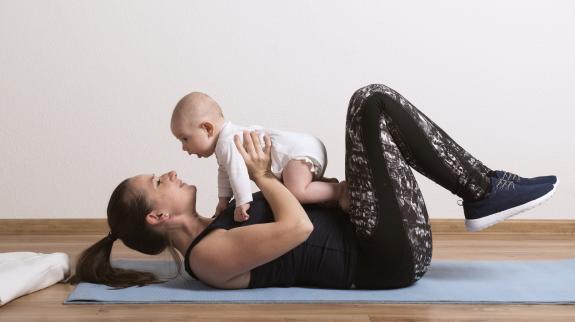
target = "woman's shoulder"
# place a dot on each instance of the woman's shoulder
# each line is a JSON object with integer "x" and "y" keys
{"x": 203, "y": 256}
{"x": 205, "y": 262}
{"x": 198, "y": 253}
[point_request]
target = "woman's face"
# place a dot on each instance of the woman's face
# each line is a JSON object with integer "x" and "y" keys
{"x": 166, "y": 193}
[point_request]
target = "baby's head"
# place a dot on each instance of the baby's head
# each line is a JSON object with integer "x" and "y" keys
{"x": 196, "y": 121}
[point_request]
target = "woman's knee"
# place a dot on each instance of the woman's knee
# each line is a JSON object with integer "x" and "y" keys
{"x": 369, "y": 86}
{"x": 381, "y": 103}
{"x": 364, "y": 90}
{"x": 371, "y": 113}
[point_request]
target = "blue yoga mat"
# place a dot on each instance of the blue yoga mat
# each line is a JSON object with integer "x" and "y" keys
{"x": 509, "y": 282}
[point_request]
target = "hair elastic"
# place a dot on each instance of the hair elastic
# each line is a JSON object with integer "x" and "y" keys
{"x": 112, "y": 236}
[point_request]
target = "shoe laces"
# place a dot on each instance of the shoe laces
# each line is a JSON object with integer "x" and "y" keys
{"x": 502, "y": 184}
{"x": 510, "y": 176}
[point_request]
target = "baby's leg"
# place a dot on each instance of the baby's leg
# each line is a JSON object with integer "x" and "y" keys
{"x": 298, "y": 178}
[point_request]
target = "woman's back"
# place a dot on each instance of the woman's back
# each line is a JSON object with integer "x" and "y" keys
{"x": 326, "y": 259}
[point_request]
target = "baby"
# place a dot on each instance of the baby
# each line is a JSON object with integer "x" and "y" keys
{"x": 298, "y": 159}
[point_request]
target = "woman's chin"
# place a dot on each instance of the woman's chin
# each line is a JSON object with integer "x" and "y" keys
{"x": 185, "y": 185}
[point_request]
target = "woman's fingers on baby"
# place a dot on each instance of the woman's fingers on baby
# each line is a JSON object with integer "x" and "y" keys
{"x": 248, "y": 143}
{"x": 239, "y": 146}
{"x": 255, "y": 137}
{"x": 258, "y": 144}
{"x": 268, "y": 144}
{"x": 252, "y": 144}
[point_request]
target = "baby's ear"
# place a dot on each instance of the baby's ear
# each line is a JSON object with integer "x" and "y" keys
{"x": 208, "y": 127}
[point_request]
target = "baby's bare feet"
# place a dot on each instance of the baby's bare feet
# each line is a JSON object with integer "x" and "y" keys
{"x": 344, "y": 202}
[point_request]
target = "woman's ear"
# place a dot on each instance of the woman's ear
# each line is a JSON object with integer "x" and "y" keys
{"x": 154, "y": 217}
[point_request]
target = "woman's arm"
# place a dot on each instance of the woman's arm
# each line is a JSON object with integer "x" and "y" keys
{"x": 241, "y": 249}
{"x": 286, "y": 208}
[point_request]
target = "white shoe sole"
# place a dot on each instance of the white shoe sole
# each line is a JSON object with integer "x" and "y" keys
{"x": 482, "y": 223}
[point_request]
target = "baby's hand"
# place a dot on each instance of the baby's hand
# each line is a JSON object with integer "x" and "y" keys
{"x": 219, "y": 209}
{"x": 222, "y": 205}
{"x": 241, "y": 212}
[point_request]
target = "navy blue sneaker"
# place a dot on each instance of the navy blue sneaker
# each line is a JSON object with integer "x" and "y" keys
{"x": 504, "y": 175}
{"x": 505, "y": 199}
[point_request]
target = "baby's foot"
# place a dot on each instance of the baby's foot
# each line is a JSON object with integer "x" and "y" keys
{"x": 330, "y": 180}
{"x": 330, "y": 203}
{"x": 344, "y": 202}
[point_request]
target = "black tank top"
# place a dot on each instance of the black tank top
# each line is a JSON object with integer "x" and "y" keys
{"x": 326, "y": 260}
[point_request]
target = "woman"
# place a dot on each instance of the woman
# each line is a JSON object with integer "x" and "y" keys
{"x": 382, "y": 241}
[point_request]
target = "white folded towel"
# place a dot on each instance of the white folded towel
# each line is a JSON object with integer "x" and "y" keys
{"x": 22, "y": 273}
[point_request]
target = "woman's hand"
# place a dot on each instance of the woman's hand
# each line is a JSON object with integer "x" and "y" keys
{"x": 257, "y": 161}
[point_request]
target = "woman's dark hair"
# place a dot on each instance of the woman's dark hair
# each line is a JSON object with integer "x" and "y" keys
{"x": 127, "y": 210}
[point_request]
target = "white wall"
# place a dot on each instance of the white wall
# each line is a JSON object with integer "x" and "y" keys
{"x": 87, "y": 87}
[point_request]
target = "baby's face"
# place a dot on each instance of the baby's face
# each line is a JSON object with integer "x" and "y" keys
{"x": 195, "y": 140}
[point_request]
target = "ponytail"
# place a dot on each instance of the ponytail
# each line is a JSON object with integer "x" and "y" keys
{"x": 93, "y": 266}
{"x": 126, "y": 216}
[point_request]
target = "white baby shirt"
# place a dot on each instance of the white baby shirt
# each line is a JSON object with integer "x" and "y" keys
{"x": 233, "y": 178}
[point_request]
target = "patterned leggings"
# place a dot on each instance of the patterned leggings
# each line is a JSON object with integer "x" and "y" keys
{"x": 385, "y": 135}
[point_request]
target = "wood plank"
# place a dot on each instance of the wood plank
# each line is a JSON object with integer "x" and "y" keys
{"x": 543, "y": 226}
{"x": 100, "y": 226}
{"x": 53, "y": 226}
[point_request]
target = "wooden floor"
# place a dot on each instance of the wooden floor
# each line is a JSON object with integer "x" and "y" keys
{"x": 46, "y": 304}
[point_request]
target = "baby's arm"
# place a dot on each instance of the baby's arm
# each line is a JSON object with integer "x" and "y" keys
{"x": 222, "y": 205}
{"x": 238, "y": 180}
{"x": 224, "y": 190}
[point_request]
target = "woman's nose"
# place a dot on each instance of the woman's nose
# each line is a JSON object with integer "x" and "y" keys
{"x": 170, "y": 175}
